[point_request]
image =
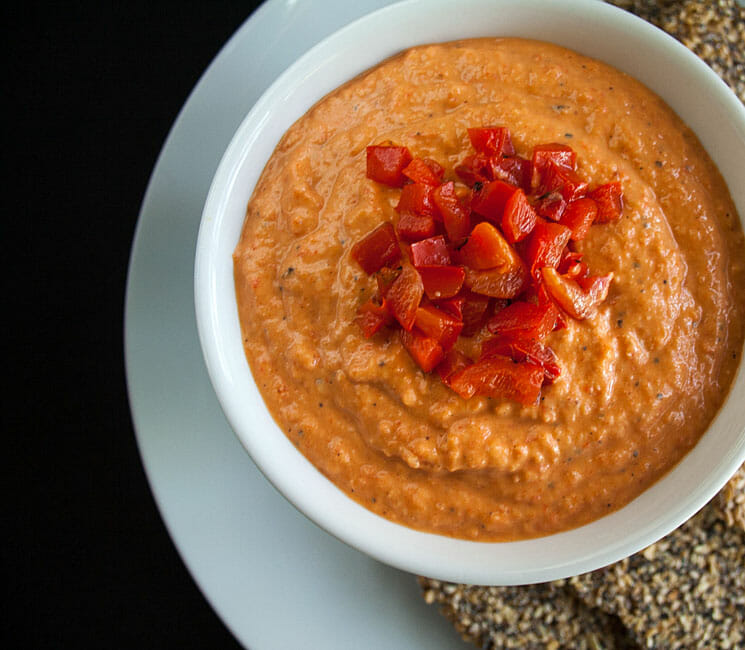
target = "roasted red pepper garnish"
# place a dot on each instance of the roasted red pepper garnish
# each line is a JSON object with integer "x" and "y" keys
{"x": 492, "y": 258}
{"x": 441, "y": 281}
{"x": 385, "y": 164}
{"x": 377, "y": 249}
{"x": 609, "y": 198}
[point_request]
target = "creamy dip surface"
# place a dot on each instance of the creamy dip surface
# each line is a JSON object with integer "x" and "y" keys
{"x": 641, "y": 379}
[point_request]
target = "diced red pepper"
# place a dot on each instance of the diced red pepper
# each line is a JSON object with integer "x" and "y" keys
{"x": 490, "y": 199}
{"x": 452, "y": 306}
{"x": 518, "y": 218}
{"x": 474, "y": 311}
{"x": 432, "y": 251}
{"x": 499, "y": 377}
{"x": 545, "y": 245}
{"x": 563, "y": 180}
{"x": 476, "y": 168}
{"x": 377, "y": 249}
{"x": 436, "y": 324}
{"x": 497, "y": 283}
{"x": 492, "y": 140}
{"x": 524, "y": 321}
{"x": 413, "y": 227}
{"x": 372, "y": 317}
{"x": 453, "y": 362}
{"x": 404, "y": 296}
{"x": 385, "y": 278}
{"x": 455, "y": 217}
{"x": 486, "y": 248}
{"x": 513, "y": 170}
{"x": 420, "y": 172}
{"x": 580, "y": 297}
{"x": 417, "y": 198}
{"x": 518, "y": 350}
{"x": 425, "y": 351}
{"x": 553, "y": 152}
{"x": 571, "y": 264}
{"x": 551, "y": 206}
{"x": 441, "y": 281}
{"x": 609, "y": 198}
{"x": 579, "y": 216}
{"x": 385, "y": 164}
{"x": 436, "y": 168}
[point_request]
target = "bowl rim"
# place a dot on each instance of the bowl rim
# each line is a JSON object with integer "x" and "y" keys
{"x": 498, "y": 563}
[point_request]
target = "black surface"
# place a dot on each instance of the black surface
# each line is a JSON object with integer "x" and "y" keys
{"x": 94, "y": 89}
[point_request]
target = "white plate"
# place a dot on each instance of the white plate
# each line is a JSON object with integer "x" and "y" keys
{"x": 275, "y": 579}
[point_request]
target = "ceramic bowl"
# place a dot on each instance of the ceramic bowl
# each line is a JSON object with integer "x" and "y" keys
{"x": 586, "y": 26}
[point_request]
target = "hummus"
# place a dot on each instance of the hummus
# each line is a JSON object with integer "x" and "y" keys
{"x": 641, "y": 379}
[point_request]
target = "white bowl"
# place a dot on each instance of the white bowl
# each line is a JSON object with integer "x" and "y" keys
{"x": 586, "y": 26}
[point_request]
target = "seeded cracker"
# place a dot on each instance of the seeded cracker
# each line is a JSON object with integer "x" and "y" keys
{"x": 548, "y": 615}
{"x": 686, "y": 591}
{"x": 730, "y": 502}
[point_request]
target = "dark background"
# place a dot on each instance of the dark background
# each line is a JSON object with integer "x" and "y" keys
{"x": 93, "y": 89}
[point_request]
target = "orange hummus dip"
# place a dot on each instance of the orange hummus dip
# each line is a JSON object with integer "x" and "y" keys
{"x": 641, "y": 379}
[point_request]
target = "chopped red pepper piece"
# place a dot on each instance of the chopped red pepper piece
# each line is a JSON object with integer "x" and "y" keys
{"x": 531, "y": 351}
{"x": 452, "y": 306}
{"x": 524, "y": 321}
{"x": 490, "y": 199}
{"x": 385, "y": 278}
{"x": 499, "y": 377}
{"x": 455, "y": 217}
{"x": 571, "y": 265}
{"x": 551, "y": 207}
{"x": 436, "y": 168}
{"x": 579, "y": 216}
{"x": 417, "y": 198}
{"x": 420, "y": 172}
{"x": 545, "y": 245}
{"x": 577, "y": 298}
{"x": 425, "y": 351}
{"x": 563, "y": 180}
{"x": 441, "y": 281}
{"x": 486, "y": 248}
{"x": 432, "y": 251}
{"x": 609, "y": 198}
{"x": 476, "y": 168}
{"x": 377, "y": 249}
{"x": 413, "y": 227}
{"x": 453, "y": 362}
{"x": 385, "y": 164}
{"x": 474, "y": 311}
{"x": 438, "y": 325}
{"x": 514, "y": 170}
{"x": 498, "y": 283}
{"x": 553, "y": 152}
{"x": 492, "y": 140}
{"x": 371, "y": 318}
{"x": 518, "y": 218}
{"x": 404, "y": 296}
